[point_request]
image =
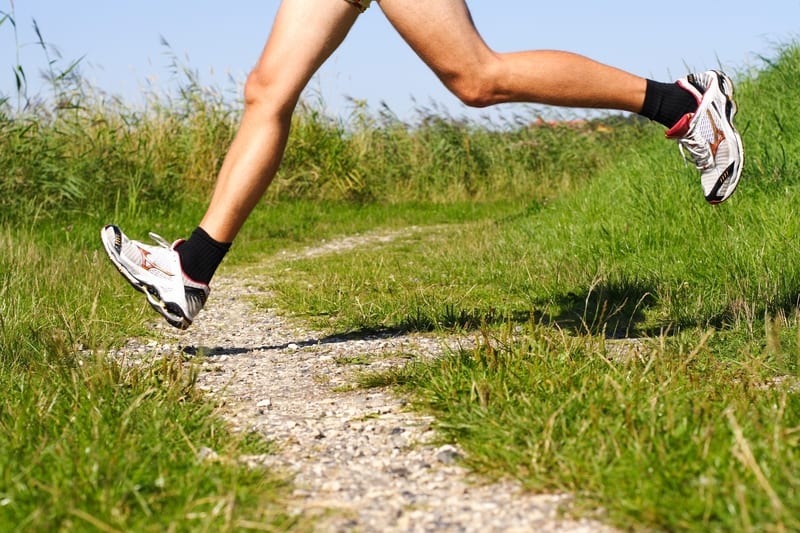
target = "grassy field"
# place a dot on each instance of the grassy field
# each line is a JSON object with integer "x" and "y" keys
{"x": 554, "y": 244}
{"x": 696, "y": 425}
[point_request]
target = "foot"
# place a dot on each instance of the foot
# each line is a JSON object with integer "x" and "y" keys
{"x": 708, "y": 134}
{"x": 156, "y": 271}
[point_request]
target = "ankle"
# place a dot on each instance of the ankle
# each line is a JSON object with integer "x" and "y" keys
{"x": 201, "y": 255}
{"x": 667, "y": 103}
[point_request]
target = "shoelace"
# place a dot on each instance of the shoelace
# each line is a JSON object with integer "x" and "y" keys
{"x": 161, "y": 241}
{"x": 698, "y": 149}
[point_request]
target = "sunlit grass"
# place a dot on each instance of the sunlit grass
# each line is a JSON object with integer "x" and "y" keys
{"x": 637, "y": 347}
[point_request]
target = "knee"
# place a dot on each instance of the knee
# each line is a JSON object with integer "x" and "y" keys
{"x": 263, "y": 93}
{"x": 475, "y": 87}
{"x": 255, "y": 86}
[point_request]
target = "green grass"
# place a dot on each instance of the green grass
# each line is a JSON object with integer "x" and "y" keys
{"x": 87, "y": 441}
{"x": 701, "y": 430}
{"x": 90, "y": 444}
{"x": 684, "y": 435}
{"x": 549, "y": 243}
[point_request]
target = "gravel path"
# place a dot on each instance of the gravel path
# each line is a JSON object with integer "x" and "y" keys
{"x": 361, "y": 460}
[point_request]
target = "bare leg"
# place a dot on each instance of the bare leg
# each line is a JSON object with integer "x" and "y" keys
{"x": 304, "y": 34}
{"x": 441, "y": 32}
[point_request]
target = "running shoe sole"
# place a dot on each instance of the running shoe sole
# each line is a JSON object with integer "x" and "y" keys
{"x": 726, "y": 86}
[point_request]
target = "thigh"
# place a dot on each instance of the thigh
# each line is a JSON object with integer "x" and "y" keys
{"x": 441, "y": 32}
{"x": 304, "y": 34}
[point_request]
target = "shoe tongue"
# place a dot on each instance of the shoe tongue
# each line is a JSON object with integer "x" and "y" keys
{"x": 681, "y": 127}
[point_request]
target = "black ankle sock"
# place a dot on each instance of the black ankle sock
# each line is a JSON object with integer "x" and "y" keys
{"x": 201, "y": 255}
{"x": 666, "y": 103}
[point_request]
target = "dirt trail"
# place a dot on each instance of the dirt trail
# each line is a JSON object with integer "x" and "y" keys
{"x": 360, "y": 459}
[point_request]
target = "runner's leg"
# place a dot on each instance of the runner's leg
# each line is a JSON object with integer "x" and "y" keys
{"x": 442, "y": 33}
{"x": 304, "y": 34}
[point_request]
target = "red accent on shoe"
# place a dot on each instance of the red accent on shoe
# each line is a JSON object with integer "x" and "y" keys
{"x": 681, "y": 127}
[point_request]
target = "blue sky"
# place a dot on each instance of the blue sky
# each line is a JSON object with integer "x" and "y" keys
{"x": 121, "y": 42}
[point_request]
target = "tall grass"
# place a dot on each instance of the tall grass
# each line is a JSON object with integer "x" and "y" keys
{"x": 78, "y": 147}
{"x": 103, "y": 154}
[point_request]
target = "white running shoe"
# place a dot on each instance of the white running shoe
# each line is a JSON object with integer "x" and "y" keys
{"x": 156, "y": 271}
{"x": 708, "y": 134}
